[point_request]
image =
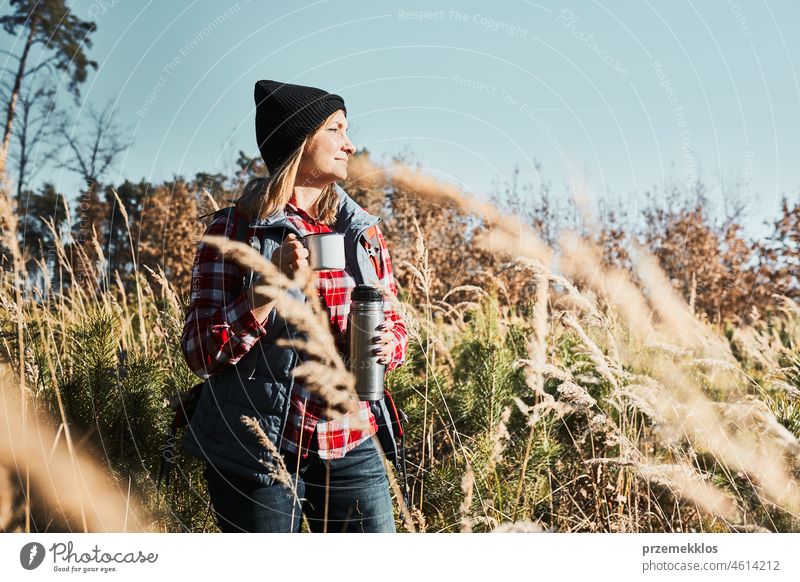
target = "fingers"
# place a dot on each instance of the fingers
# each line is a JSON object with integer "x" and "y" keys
{"x": 291, "y": 244}
{"x": 383, "y": 355}
{"x": 292, "y": 249}
{"x": 384, "y": 338}
{"x": 291, "y": 256}
{"x": 387, "y": 325}
{"x": 299, "y": 265}
{"x": 384, "y": 351}
{"x": 295, "y": 247}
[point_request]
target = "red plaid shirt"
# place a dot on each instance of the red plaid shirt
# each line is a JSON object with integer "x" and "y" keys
{"x": 220, "y": 329}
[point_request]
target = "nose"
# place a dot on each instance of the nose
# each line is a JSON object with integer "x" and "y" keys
{"x": 348, "y": 147}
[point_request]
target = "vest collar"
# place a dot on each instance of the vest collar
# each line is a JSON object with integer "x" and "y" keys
{"x": 350, "y": 215}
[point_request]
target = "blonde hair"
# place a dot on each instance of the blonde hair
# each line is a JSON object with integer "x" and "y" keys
{"x": 264, "y": 196}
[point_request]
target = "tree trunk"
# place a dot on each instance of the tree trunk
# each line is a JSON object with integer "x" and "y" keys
{"x": 23, "y": 157}
{"x": 12, "y": 105}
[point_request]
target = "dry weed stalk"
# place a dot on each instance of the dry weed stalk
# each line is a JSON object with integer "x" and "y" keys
{"x": 467, "y": 488}
{"x": 6, "y": 499}
{"x": 499, "y": 437}
{"x": 685, "y": 482}
{"x": 277, "y": 468}
{"x": 70, "y": 481}
{"x": 523, "y": 526}
{"x": 582, "y": 262}
{"x": 139, "y": 305}
{"x": 688, "y": 413}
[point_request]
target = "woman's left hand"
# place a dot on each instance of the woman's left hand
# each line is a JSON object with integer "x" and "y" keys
{"x": 385, "y": 341}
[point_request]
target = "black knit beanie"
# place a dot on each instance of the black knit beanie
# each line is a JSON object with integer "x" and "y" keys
{"x": 286, "y": 114}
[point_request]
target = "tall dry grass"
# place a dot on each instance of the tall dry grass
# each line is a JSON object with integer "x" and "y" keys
{"x": 96, "y": 364}
{"x": 610, "y": 405}
{"x": 80, "y": 495}
{"x": 689, "y": 385}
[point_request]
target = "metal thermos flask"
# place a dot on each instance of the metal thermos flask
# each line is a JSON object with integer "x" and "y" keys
{"x": 366, "y": 314}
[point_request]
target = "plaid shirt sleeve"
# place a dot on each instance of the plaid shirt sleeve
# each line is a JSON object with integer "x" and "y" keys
{"x": 220, "y": 328}
{"x": 387, "y": 282}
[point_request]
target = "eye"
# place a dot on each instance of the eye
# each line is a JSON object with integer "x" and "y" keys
{"x": 333, "y": 129}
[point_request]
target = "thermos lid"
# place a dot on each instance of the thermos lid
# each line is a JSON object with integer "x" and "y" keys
{"x": 366, "y": 293}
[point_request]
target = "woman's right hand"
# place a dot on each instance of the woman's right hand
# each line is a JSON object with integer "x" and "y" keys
{"x": 291, "y": 257}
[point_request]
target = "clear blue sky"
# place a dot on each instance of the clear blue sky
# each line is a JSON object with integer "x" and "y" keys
{"x": 623, "y": 93}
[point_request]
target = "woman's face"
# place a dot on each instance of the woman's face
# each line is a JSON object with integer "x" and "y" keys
{"x": 326, "y": 155}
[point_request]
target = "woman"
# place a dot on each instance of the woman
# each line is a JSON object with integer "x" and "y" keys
{"x": 231, "y": 333}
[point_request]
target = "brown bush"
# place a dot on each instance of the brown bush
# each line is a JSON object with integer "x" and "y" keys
{"x": 168, "y": 232}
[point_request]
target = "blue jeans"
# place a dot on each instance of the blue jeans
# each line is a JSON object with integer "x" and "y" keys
{"x": 355, "y": 499}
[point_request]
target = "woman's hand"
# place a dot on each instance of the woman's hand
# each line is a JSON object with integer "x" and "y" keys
{"x": 291, "y": 257}
{"x": 385, "y": 341}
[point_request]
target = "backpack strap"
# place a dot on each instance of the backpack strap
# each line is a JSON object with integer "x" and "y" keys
{"x": 390, "y": 421}
{"x": 373, "y": 248}
{"x": 244, "y": 233}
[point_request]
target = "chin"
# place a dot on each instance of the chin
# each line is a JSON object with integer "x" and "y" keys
{"x": 339, "y": 175}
